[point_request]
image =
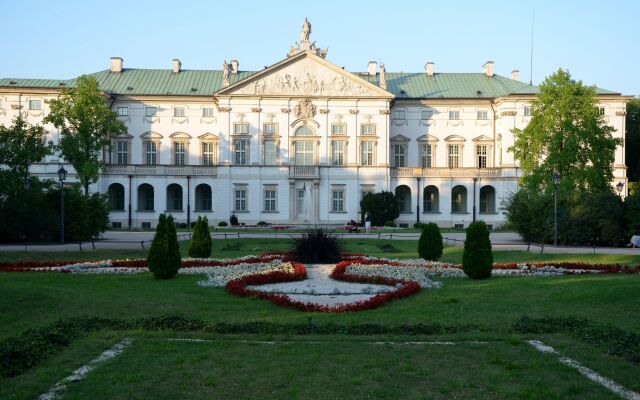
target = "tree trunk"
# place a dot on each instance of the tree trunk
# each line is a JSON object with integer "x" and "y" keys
{"x": 86, "y": 189}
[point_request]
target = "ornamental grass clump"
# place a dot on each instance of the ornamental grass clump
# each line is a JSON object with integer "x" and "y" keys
{"x": 477, "y": 259}
{"x": 430, "y": 243}
{"x": 164, "y": 257}
{"x": 316, "y": 246}
{"x": 200, "y": 246}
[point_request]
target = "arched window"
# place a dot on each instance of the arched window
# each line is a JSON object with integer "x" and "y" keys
{"x": 174, "y": 197}
{"x": 403, "y": 196}
{"x": 431, "y": 199}
{"x": 116, "y": 197}
{"x": 487, "y": 199}
{"x": 203, "y": 197}
{"x": 459, "y": 199}
{"x": 145, "y": 197}
{"x": 304, "y": 130}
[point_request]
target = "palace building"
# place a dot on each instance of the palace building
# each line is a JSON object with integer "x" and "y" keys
{"x": 302, "y": 141}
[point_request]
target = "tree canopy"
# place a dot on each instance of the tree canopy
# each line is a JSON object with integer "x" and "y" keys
{"x": 566, "y": 135}
{"x": 22, "y": 145}
{"x": 87, "y": 124}
{"x": 382, "y": 207}
{"x": 632, "y": 145}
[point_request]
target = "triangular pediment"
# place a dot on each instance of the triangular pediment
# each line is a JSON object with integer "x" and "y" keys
{"x": 307, "y": 75}
{"x": 399, "y": 138}
{"x": 482, "y": 138}
{"x": 427, "y": 138}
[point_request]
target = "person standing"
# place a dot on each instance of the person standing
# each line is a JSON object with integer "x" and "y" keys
{"x": 367, "y": 222}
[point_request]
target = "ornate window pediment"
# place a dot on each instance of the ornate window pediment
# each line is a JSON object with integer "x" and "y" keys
{"x": 483, "y": 138}
{"x": 427, "y": 138}
{"x": 208, "y": 137}
{"x": 455, "y": 138}
{"x": 400, "y": 139}
{"x": 151, "y": 136}
{"x": 180, "y": 136}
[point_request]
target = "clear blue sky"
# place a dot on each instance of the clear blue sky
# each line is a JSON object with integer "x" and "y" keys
{"x": 596, "y": 40}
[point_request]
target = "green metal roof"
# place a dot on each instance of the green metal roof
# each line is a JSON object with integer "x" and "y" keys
{"x": 206, "y": 82}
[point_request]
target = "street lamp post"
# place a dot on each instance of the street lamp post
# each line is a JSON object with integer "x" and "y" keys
{"x": 418, "y": 202}
{"x": 475, "y": 181}
{"x": 619, "y": 188}
{"x": 556, "y": 180}
{"x": 62, "y": 175}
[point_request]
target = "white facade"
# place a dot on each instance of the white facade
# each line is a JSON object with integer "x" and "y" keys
{"x": 301, "y": 141}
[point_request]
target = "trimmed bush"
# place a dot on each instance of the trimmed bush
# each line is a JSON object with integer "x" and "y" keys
{"x": 233, "y": 220}
{"x": 262, "y": 223}
{"x": 223, "y": 223}
{"x": 430, "y": 243}
{"x": 164, "y": 255}
{"x": 477, "y": 258}
{"x": 419, "y": 225}
{"x": 200, "y": 246}
{"x": 316, "y": 246}
{"x": 390, "y": 224}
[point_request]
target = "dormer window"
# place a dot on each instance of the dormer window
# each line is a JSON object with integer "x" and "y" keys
{"x": 35, "y": 105}
{"x": 123, "y": 111}
{"x": 178, "y": 112}
{"x": 207, "y": 112}
{"x": 399, "y": 115}
{"x": 150, "y": 111}
{"x": 454, "y": 115}
{"x": 483, "y": 115}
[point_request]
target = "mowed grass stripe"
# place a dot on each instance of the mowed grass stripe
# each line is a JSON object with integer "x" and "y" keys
{"x": 229, "y": 369}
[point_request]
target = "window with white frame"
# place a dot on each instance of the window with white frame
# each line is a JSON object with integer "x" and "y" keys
{"x": 399, "y": 115}
{"x": 399, "y": 155}
{"x": 207, "y": 112}
{"x": 426, "y": 114}
{"x": 269, "y": 151}
{"x": 150, "y": 111}
{"x": 483, "y": 115}
{"x": 454, "y": 115}
{"x": 241, "y": 129}
{"x": 338, "y": 129}
{"x": 270, "y": 129}
{"x": 178, "y": 112}
{"x": 454, "y": 155}
{"x": 151, "y": 153}
{"x": 367, "y": 129}
{"x": 270, "y": 199}
{"x": 527, "y": 111}
{"x": 600, "y": 110}
{"x": 35, "y": 105}
{"x": 241, "y": 151}
{"x": 240, "y": 197}
{"x": 337, "y": 200}
{"x": 179, "y": 153}
{"x": 208, "y": 153}
{"x": 303, "y": 152}
{"x": 337, "y": 152}
{"x": 367, "y": 152}
{"x": 123, "y": 111}
{"x": 122, "y": 152}
{"x": 426, "y": 160}
{"x": 481, "y": 156}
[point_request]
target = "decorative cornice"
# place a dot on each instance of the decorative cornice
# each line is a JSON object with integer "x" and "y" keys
{"x": 224, "y": 109}
{"x": 285, "y": 110}
{"x": 508, "y": 113}
{"x": 256, "y": 109}
{"x": 352, "y": 111}
{"x": 323, "y": 111}
{"x": 385, "y": 112}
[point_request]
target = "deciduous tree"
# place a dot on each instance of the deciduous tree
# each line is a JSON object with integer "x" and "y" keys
{"x": 21, "y": 145}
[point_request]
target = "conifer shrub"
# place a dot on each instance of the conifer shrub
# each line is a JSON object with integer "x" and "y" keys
{"x": 477, "y": 258}
{"x": 233, "y": 220}
{"x": 164, "y": 255}
{"x": 316, "y": 245}
{"x": 430, "y": 243}
{"x": 200, "y": 246}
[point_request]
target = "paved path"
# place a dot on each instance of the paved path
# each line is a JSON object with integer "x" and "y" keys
{"x": 135, "y": 240}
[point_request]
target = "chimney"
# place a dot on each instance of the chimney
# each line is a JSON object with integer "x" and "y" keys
{"x": 428, "y": 68}
{"x": 515, "y": 75}
{"x": 116, "y": 64}
{"x": 487, "y": 68}
{"x": 372, "y": 67}
{"x": 234, "y": 66}
{"x": 176, "y": 65}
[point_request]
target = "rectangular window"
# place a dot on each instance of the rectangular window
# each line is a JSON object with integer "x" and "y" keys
{"x": 481, "y": 156}
{"x": 151, "y": 151}
{"x": 454, "y": 156}
{"x": 122, "y": 151}
{"x": 178, "y": 112}
{"x": 270, "y": 199}
{"x": 367, "y": 152}
{"x": 337, "y": 200}
{"x": 454, "y": 115}
{"x": 270, "y": 129}
{"x": 179, "y": 153}
{"x": 241, "y": 147}
{"x": 241, "y": 129}
{"x": 208, "y": 154}
{"x": 367, "y": 129}
{"x": 399, "y": 152}
{"x": 337, "y": 152}
{"x": 425, "y": 155}
{"x": 482, "y": 115}
{"x": 399, "y": 115}
{"x": 337, "y": 129}
{"x": 207, "y": 112}
{"x": 304, "y": 152}
{"x": 35, "y": 105}
{"x": 150, "y": 111}
{"x": 426, "y": 114}
{"x": 600, "y": 110}
{"x": 270, "y": 152}
{"x": 527, "y": 111}
{"x": 123, "y": 111}
{"x": 240, "y": 199}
